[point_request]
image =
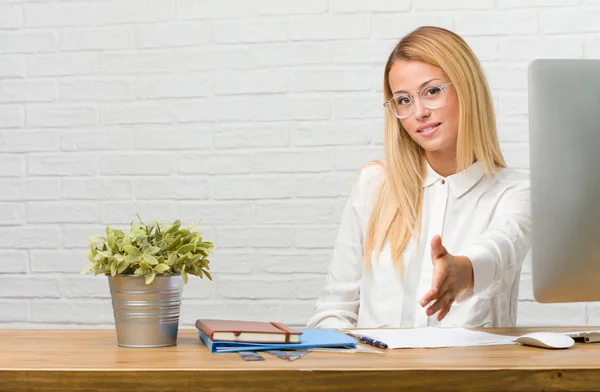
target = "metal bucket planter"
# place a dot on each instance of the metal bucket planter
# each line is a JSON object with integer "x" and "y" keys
{"x": 146, "y": 315}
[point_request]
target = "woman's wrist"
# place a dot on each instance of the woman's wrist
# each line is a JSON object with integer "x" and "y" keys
{"x": 466, "y": 271}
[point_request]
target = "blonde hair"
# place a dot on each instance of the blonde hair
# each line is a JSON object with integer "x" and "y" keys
{"x": 397, "y": 212}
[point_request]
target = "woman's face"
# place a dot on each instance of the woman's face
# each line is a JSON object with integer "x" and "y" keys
{"x": 436, "y": 130}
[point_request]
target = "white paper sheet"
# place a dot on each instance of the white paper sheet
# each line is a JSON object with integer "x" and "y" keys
{"x": 431, "y": 337}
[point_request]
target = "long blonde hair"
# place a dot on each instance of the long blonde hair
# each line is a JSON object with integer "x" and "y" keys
{"x": 397, "y": 212}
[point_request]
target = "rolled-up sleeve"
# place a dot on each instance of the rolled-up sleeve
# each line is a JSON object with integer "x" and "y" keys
{"x": 498, "y": 254}
{"x": 338, "y": 304}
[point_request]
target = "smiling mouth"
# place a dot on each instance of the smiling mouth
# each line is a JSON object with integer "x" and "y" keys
{"x": 429, "y": 129}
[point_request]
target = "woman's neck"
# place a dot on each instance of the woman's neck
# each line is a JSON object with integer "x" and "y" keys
{"x": 444, "y": 164}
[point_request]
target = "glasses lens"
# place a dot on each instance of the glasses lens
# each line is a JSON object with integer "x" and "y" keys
{"x": 401, "y": 106}
{"x": 433, "y": 96}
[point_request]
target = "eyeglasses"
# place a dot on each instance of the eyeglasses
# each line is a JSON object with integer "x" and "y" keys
{"x": 432, "y": 97}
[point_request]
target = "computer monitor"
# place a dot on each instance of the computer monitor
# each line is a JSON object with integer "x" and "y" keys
{"x": 564, "y": 147}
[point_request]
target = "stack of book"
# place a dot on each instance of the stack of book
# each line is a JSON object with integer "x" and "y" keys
{"x": 226, "y": 336}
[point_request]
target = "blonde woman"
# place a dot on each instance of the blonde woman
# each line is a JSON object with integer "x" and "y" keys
{"x": 436, "y": 233}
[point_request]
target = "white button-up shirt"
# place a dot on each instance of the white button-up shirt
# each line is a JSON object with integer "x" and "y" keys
{"x": 486, "y": 218}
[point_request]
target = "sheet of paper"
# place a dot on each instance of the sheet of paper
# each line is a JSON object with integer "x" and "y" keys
{"x": 431, "y": 337}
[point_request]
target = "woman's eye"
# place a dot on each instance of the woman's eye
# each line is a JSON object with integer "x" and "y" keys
{"x": 433, "y": 90}
{"x": 403, "y": 101}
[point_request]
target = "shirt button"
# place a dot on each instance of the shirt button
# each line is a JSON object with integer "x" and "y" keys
{"x": 443, "y": 181}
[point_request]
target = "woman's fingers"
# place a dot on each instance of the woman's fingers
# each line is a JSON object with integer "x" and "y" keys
{"x": 435, "y": 293}
{"x": 444, "y": 311}
{"x": 444, "y": 300}
{"x": 440, "y": 275}
{"x": 441, "y": 270}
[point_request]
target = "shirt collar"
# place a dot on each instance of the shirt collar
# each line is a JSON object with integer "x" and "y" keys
{"x": 458, "y": 183}
{"x": 431, "y": 176}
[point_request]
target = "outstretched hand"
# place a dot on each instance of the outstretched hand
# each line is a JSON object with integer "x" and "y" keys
{"x": 451, "y": 275}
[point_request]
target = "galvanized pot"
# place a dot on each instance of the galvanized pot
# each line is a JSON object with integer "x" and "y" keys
{"x": 146, "y": 315}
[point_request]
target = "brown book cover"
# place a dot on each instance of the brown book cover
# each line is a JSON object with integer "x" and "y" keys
{"x": 247, "y": 331}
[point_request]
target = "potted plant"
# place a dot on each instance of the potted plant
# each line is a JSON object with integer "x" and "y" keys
{"x": 146, "y": 270}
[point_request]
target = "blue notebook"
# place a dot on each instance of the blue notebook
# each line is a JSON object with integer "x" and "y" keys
{"x": 310, "y": 338}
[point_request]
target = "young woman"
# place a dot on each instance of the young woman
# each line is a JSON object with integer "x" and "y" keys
{"x": 436, "y": 233}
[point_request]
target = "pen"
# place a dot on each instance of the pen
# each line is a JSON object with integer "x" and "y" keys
{"x": 372, "y": 342}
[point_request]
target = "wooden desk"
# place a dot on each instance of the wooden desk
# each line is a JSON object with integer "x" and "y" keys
{"x": 90, "y": 360}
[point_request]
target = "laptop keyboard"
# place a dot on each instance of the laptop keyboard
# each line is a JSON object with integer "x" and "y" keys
{"x": 578, "y": 334}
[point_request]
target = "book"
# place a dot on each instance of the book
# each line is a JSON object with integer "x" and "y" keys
{"x": 310, "y": 338}
{"x": 247, "y": 331}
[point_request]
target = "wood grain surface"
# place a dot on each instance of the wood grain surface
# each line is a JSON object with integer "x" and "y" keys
{"x": 90, "y": 360}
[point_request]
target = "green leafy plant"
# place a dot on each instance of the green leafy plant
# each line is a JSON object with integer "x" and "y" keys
{"x": 150, "y": 250}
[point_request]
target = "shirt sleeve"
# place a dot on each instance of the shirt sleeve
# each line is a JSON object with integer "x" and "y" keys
{"x": 498, "y": 254}
{"x": 338, "y": 305}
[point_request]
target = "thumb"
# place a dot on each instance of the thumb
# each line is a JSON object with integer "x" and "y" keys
{"x": 437, "y": 249}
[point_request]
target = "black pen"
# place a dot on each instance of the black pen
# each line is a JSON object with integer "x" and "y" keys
{"x": 372, "y": 342}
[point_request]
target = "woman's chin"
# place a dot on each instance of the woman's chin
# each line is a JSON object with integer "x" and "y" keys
{"x": 433, "y": 146}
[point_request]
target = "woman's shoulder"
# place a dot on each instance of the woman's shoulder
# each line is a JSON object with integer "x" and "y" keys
{"x": 368, "y": 181}
{"x": 509, "y": 175}
{"x": 370, "y": 173}
{"x": 510, "y": 181}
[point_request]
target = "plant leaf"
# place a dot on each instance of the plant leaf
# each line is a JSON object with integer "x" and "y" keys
{"x": 132, "y": 250}
{"x": 132, "y": 259}
{"x": 113, "y": 268}
{"x": 207, "y": 275}
{"x": 183, "y": 232}
{"x": 205, "y": 245}
{"x": 145, "y": 265}
{"x": 150, "y": 277}
{"x": 145, "y": 271}
{"x": 181, "y": 260}
{"x": 111, "y": 239}
{"x": 203, "y": 265}
{"x": 137, "y": 233}
{"x": 151, "y": 260}
{"x": 122, "y": 266}
{"x": 191, "y": 227}
{"x": 151, "y": 250}
{"x": 96, "y": 239}
{"x": 174, "y": 227}
{"x": 161, "y": 268}
{"x": 186, "y": 248}
{"x": 184, "y": 275}
{"x": 174, "y": 244}
{"x": 88, "y": 268}
{"x": 139, "y": 217}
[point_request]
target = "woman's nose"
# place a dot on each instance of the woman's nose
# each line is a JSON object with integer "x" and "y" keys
{"x": 421, "y": 111}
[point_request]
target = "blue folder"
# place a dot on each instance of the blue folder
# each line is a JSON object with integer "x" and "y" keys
{"x": 310, "y": 338}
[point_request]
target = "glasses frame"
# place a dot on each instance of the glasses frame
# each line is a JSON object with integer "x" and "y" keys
{"x": 443, "y": 87}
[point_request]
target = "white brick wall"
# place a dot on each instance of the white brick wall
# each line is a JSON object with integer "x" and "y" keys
{"x": 250, "y": 114}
